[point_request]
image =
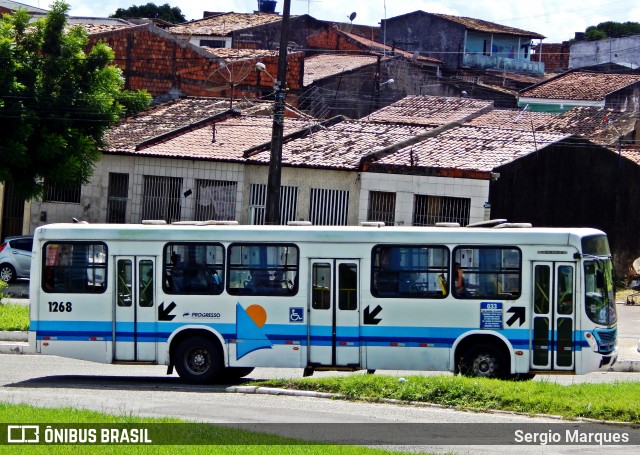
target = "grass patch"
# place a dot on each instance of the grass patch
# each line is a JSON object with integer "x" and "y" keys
{"x": 14, "y": 317}
{"x": 619, "y": 401}
{"x": 217, "y": 437}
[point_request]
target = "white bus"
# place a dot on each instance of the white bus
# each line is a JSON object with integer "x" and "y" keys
{"x": 215, "y": 301}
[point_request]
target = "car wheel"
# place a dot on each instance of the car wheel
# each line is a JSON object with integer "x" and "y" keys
{"x": 198, "y": 360}
{"x": 7, "y": 273}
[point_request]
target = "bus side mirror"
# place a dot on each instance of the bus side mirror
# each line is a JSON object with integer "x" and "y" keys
{"x": 599, "y": 279}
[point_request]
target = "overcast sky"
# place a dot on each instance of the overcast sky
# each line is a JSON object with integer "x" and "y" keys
{"x": 556, "y": 19}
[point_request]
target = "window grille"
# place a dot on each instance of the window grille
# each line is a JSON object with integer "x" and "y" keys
{"x": 258, "y": 202}
{"x": 382, "y": 207}
{"x": 161, "y": 198}
{"x": 216, "y": 200}
{"x": 429, "y": 210}
{"x": 118, "y": 195}
{"x": 55, "y": 193}
{"x": 329, "y": 207}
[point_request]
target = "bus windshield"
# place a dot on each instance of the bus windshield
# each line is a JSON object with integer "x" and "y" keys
{"x": 600, "y": 304}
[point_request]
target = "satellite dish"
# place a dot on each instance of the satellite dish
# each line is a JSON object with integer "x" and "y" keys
{"x": 352, "y": 16}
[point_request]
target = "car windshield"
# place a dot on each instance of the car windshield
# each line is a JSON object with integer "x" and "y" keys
{"x": 600, "y": 303}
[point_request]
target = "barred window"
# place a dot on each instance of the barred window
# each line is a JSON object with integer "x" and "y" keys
{"x": 382, "y": 207}
{"x": 258, "y": 202}
{"x": 118, "y": 195}
{"x": 161, "y": 198}
{"x": 429, "y": 210}
{"x": 216, "y": 200}
{"x": 329, "y": 207}
{"x": 57, "y": 193}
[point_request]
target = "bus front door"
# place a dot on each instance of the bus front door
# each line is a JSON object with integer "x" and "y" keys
{"x": 553, "y": 326}
{"x": 334, "y": 315}
{"x": 134, "y": 328}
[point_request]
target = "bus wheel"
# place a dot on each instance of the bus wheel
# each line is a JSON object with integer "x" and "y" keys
{"x": 198, "y": 360}
{"x": 235, "y": 373}
{"x": 523, "y": 376}
{"x": 483, "y": 361}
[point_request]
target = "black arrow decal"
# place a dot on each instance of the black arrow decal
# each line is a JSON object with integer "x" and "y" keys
{"x": 165, "y": 314}
{"x": 370, "y": 316}
{"x": 518, "y": 313}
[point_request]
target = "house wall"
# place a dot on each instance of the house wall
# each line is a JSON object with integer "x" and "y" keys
{"x": 555, "y": 56}
{"x": 624, "y": 51}
{"x": 268, "y": 36}
{"x": 430, "y": 35}
{"x": 407, "y": 186}
{"x": 574, "y": 184}
{"x": 627, "y": 99}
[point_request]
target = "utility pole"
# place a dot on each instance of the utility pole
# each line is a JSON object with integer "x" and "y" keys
{"x": 272, "y": 215}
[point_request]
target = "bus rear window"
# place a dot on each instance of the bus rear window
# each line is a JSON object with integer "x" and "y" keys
{"x": 74, "y": 267}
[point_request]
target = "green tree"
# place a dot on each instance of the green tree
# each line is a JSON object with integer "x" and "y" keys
{"x": 611, "y": 29}
{"x": 56, "y": 101}
{"x": 152, "y": 11}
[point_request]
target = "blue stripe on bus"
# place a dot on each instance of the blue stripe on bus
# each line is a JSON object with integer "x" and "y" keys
{"x": 279, "y": 333}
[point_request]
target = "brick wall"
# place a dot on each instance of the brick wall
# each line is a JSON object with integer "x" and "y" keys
{"x": 154, "y": 60}
{"x": 555, "y": 56}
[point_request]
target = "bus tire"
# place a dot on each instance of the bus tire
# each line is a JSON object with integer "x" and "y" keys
{"x": 484, "y": 361}
{"x": 198, "y": 360}
{"x": 235, "y": 373}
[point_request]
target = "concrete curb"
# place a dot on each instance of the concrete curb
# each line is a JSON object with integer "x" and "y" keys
{"x": 276, "y": 391}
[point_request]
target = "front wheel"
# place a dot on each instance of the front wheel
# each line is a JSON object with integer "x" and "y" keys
{"x": 198, "y": 360}
{"x": 7, "y": 273}
{"x": 483, "y": 361}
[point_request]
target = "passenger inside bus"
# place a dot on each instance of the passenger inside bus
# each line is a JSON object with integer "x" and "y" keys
{"x": 459, "y": 287}
{"x": 386, "y": 280}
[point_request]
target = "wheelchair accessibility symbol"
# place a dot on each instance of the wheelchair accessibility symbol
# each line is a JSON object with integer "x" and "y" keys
{"x": 296, "y": 314}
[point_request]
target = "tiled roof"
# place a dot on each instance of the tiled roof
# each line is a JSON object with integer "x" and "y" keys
{"x": 577, "y": 85}
{"x": 232, "y": 138}
{"x": 161, "y": 119}
{"x": 239, "y": 54}
{"x": 632, "y": 154}
{"x": 429, "y": 110}
{"x": 343, "y": 145}
{"x": 224, "y": 24}
{"x": 471, "y": 148}
{"x": 324, "y": 65}
{"x": 488, "y": 27}
{"x": 513, "y": 119}
{"x": 101, "y": 28}
{"x": 13, "y": 6}
{"x": 375, "y": 45}
{"x": 602, "y": 126}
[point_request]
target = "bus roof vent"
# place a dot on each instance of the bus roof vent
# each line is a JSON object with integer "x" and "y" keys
{"x": 154, "y": 222}
{"x": 513, "y": 225}
{"x": 299, "y": 223}
{"x": 487, "y": 223}
{"x": 185, "y": 223}
{"x": 452, "y": 225}
{"x": 219, "y": 222}
{"x": 377, "y": 224}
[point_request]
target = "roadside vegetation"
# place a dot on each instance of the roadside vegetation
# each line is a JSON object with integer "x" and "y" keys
{"x": 14, "y": 317}
{"x": 618, "y": 401}
{"x": 219, "y": 440}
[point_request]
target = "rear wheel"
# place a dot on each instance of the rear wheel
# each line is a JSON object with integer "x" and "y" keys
{"x": 483, "y": 361}
{"x": 7, "y": 273}
{"x": 198, "y": 360}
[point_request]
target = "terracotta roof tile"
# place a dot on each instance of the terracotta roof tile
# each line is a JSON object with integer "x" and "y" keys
{"x": 232, "y": 138}
{"x": 489, "y": 27}
{"x": 429, "y": 110}
{"x": 162, "y": 119}
{"x": 324, "y": 65}
{"x": 471, "y": 148}
{"x": 377, "y": 46}
{"x": 580, "y": 86}
{"x": 513, "y": 119}
{"x": 342, "y": 145}
{"x": 239, "y": 54}
{"x": 224, "y": 24}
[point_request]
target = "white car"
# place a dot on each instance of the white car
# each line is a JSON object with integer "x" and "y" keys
{"x": 15, "y": 258}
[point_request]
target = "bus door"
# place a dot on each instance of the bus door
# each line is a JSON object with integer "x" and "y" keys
{"x": 334, "y": 312}
{"x": 134, "y": 329}
{"x": 553, "y": 343}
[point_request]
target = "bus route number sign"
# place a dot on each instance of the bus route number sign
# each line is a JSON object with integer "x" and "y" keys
{"x": 491, "y": 315}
